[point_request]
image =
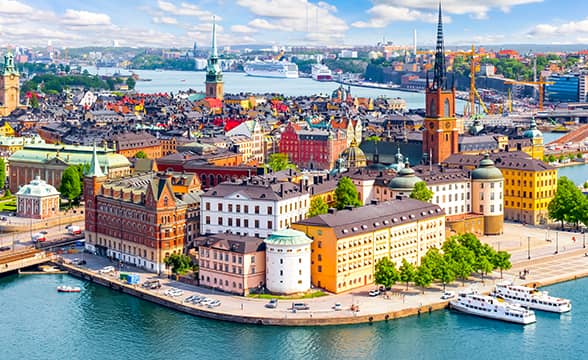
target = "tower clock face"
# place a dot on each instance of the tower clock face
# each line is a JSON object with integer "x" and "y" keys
{"x": 12, "y": 77}
{"x": 432, "y": 125}
{"x": 447, "y": 125}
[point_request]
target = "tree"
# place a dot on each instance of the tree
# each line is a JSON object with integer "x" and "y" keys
{"x": 386, "y": 273}
{"x": 567, "y": 204}
{"x": 484, "y": 266}
{"x": 2, "y": 173}
{"x": 375, "y": 138}
{"x": 317, "y": 207}
{"x": 131, "y": 83}
{"x": 423, "y": 277}
{"x": 179, "y": 263}
{"x": 279, "y": 162}
{"x": 421, "y": 192}
{"x": 502, "y": 261}
{"x": 346, "y": 194}
{"x": 407, "y": 272}
{"x": 71, "y": 186}
{"x": 446, "y": 271}
{"x": 551, "y": 158}
{"x": 141, "y": 154}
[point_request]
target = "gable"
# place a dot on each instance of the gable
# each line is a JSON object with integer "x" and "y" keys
{"x": 237, "y": 196}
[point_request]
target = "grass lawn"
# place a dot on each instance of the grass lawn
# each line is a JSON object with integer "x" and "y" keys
{"x": 311, "y": 295}
{"x": 8, "y": 205}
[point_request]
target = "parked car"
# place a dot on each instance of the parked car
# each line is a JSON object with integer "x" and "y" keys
{"x": 4, "y": 248}
{"x": 77, "y": 261}
{"x": 214, "y": 303}
{"x": 106, "y": 270}
{"x": 300, "y": 306}
{"x": 337, "y": 307}
{"x": 173, "y": 292}
{"x": 374, "y": 292}
{"x": 39, "y": 237}
{"x": 151, "y": 284}
{"x": 205, "y": 301}
{"x": 272, "y": 304}
{"x": 448, "y": 295}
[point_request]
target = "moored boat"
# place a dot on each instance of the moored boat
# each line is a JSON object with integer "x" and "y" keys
{"x": 68, "y": 289}
{"x": 490, "y": 307}
{"x": 531, "y": 298}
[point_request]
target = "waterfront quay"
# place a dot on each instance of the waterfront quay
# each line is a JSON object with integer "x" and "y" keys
{"x": 544, "y": 268}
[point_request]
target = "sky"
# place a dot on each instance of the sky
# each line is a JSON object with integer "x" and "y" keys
{"x": 180, "y": 23}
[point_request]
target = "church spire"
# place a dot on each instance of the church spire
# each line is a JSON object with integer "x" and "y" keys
{"x": 95, "y": 170}
{"x": 439, "y": 79}
{"x": 213, "y": 51}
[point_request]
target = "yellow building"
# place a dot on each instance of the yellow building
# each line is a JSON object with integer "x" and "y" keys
{"x": 9, "y": 86}
{"x": 348, "y": 243}
{"x": 6, "y": 130}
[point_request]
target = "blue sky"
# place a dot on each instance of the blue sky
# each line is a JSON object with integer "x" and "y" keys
{"x": 168, "y": 23}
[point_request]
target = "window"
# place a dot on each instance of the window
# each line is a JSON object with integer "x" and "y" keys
{"x": 253, "y": 259}
{"x": 208, "y": 206}
{"x": 220, "y": 220}
{"x": 320, "y": 244}
{"x": 238, "y": 222}
{"x": 269, "y": 224}
{"x": 230, "y": 221}
{"x": 257, "y": 209}
{"x": 320, "y": 257}
{"x": 481, "y": 208}
{"x": 246, "y": 223}
{"x": 246, "y": 209}
{"x": 220, "y": 207}
{"x": 207, "y": 220}
{"x": 230, "y": 207}
{"x": 269, "y": 210}
{"x": 238, "y": 208}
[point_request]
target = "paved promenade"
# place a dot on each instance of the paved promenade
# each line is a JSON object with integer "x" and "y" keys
{"x": 544, "y": 268}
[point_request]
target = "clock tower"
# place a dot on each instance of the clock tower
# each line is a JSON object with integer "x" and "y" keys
{"x": 440, "y": 136}
{"x": 214, "y": 75}
{"x": 9, "y": 86}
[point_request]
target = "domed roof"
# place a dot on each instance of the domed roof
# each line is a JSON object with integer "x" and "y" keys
{"x": 486, "y": 170}
{"x": 405, "y": 180}
{"x": 288, "y": 237}
{"x": 37, "y": 187}
{"x": 476, "y": 127}
{"x": 353, "y": 156}
{"x": 532, "y": 132}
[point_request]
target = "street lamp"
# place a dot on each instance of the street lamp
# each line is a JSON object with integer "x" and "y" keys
{"x": 556, "y": 242}
{"x": 528, "y": 247}
{"x": 584, "y": 239}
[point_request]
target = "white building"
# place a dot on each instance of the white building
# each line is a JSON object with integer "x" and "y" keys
{"x": 253, "y": 147}
{"x": 287, "y": 269}
{"x": 254, "y": 207}
{"x": 37, "y": 200}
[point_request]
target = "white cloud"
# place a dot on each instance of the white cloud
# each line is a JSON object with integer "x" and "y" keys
{"x": 11, "y": 7}
{"x": 184, "y": 9}
{"x": 382, "y": 15}
{"x": 84, "y": 18}
{"x": 167, "y": 20}
{"x": 262, "y": 24}
{"x": 570, "y": 32}
{"x": 243, "y": 29}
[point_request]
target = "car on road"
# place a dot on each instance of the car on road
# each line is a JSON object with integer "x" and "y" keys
{"x": 77, "y": 261}
{"x": 44, "y": 232}
{"x": 448, "y": 295}
{"x": 106, "y": 270}
{"x": 300, "y": 306}
{"x": 151, "y": 284}
{"x": 205, "y": 301}
{"x": 4, "y": 248}
{"x": 337, "y": 307}
{"x": 374, "y": 292}
{"x": 272, "y": 304}
{"x": 173, "y": 292}
{"x": 214, "y": 303}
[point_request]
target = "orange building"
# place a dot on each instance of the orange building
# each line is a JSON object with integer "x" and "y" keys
{"x": 129, "y": 144}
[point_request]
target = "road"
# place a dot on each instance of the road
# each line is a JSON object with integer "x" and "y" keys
{"x": 24, "y": 238}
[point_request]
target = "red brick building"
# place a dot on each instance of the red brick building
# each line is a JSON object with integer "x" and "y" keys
{"x": 312, "y": 148}
{"x": 140, "y": 219}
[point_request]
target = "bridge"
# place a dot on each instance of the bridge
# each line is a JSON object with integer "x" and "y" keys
{"x": 574, "y": 136}
{"x": 23, "y": 258}
{"x": 577, "y": 115}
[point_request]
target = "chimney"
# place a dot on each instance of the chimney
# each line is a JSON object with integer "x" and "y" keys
{"x": 374, "y": 202}
{"x": 332, "y": 210}
{"x": 281, "y": 189}
{"x": 328, "y": 177}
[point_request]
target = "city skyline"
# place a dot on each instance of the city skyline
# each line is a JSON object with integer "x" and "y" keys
{"x": 172, "y": 23}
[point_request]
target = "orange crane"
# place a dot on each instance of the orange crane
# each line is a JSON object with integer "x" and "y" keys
{"x": 540, "y": 83}
{"x": 474, "y": 67}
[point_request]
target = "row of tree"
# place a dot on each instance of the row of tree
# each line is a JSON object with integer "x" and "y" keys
{"x": 461, "y": 256}
{"x": 569, "y": 205}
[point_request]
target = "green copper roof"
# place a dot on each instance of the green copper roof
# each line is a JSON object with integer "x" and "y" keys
{"x": 9, "y": 68}
{"x": 532, "y": 132}
{"x": 288, "y": 237}
{"x": 95, "y": 170}
{"x": 405, "y": 180}
{"x": 487, "y": 170}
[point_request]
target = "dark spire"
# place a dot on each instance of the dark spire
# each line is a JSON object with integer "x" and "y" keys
{"x": 439, "y": 80}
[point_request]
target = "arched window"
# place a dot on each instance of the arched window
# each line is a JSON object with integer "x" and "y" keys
{"x": 446, "y": 108}
{"x": 432, "y": 108}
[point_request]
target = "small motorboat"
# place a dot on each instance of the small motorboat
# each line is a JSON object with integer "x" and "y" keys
{"x": 68, "y": 289}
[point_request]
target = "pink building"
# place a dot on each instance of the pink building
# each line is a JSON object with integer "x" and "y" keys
{"x": 231, "y": 263}
{"x": 37, "y": 200}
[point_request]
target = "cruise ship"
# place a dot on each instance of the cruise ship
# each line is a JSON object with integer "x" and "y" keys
{"x": 271, "y": 68}
{"x": 531, "y": 298}
{"x": 321, "y": 72}
{"x": 493, "y": 308}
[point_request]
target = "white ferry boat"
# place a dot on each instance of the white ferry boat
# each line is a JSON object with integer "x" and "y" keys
{"x": 321, "y": 72}
{"x": 491, "y": 307}
{"x": 271, "y": 68}
{"x": 531, "y": 298}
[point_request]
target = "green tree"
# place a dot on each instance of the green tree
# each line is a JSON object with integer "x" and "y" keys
{"x": 346, "y": 194}
{"x": 586, "y": 185}
{"x": 579, "y": 155}
{"x": 141, "y": 154}
{"x": 2, "y": 173}
{"x": 317, "y": 207}
{"x": 421, "y": 192}
{"x": 567, "y": 204}
{"x": 446, "y": 271}
{"x": 484, "y": 266}
{"x": 131, "y": 83}
{"x": 502, "y": 261}
{"x": 423, "y": 277}
{"x": 71, "y": 186}
{"x": 551, "y": 158}
{"x": 34, "y": 101}
{"x": 375, "y": 138}
{"x": 179, "y": 263}
{"x": 407, "y": 272}
{"x": 386, "y": 273}
{"x": 279, "y": 162}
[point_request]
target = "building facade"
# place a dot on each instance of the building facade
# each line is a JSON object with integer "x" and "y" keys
{"x": 231, "y": 263}
{"x": 9, "y": 86}
{"x": 37, "y": 200}
{"x": 348, "y": 243}
{"x": 288, "y": 262}
{"x": 214, "y": 76}
{"x": 253, "y": 207}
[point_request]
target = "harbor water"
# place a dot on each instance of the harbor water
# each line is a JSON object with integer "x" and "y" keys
{"x": 102, "y": 324}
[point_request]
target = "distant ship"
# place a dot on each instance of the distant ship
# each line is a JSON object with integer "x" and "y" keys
{"x": 271, "y": 68}
{"x": 321, "y": 72}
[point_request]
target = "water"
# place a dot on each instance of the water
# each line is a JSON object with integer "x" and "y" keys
{"x": 98, "y": 323}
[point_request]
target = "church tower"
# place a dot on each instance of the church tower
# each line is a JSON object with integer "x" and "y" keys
{"x": 93, "y": 181}
{"x": 9, "y": 86}
{"x": 214, "y": 75}
{"x": 440, "y": 136}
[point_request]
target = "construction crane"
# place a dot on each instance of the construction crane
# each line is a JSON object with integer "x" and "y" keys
{"x": 474, "y": 67}
{"x": 280, "y": 56}
{"x": 540, "y": 83}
